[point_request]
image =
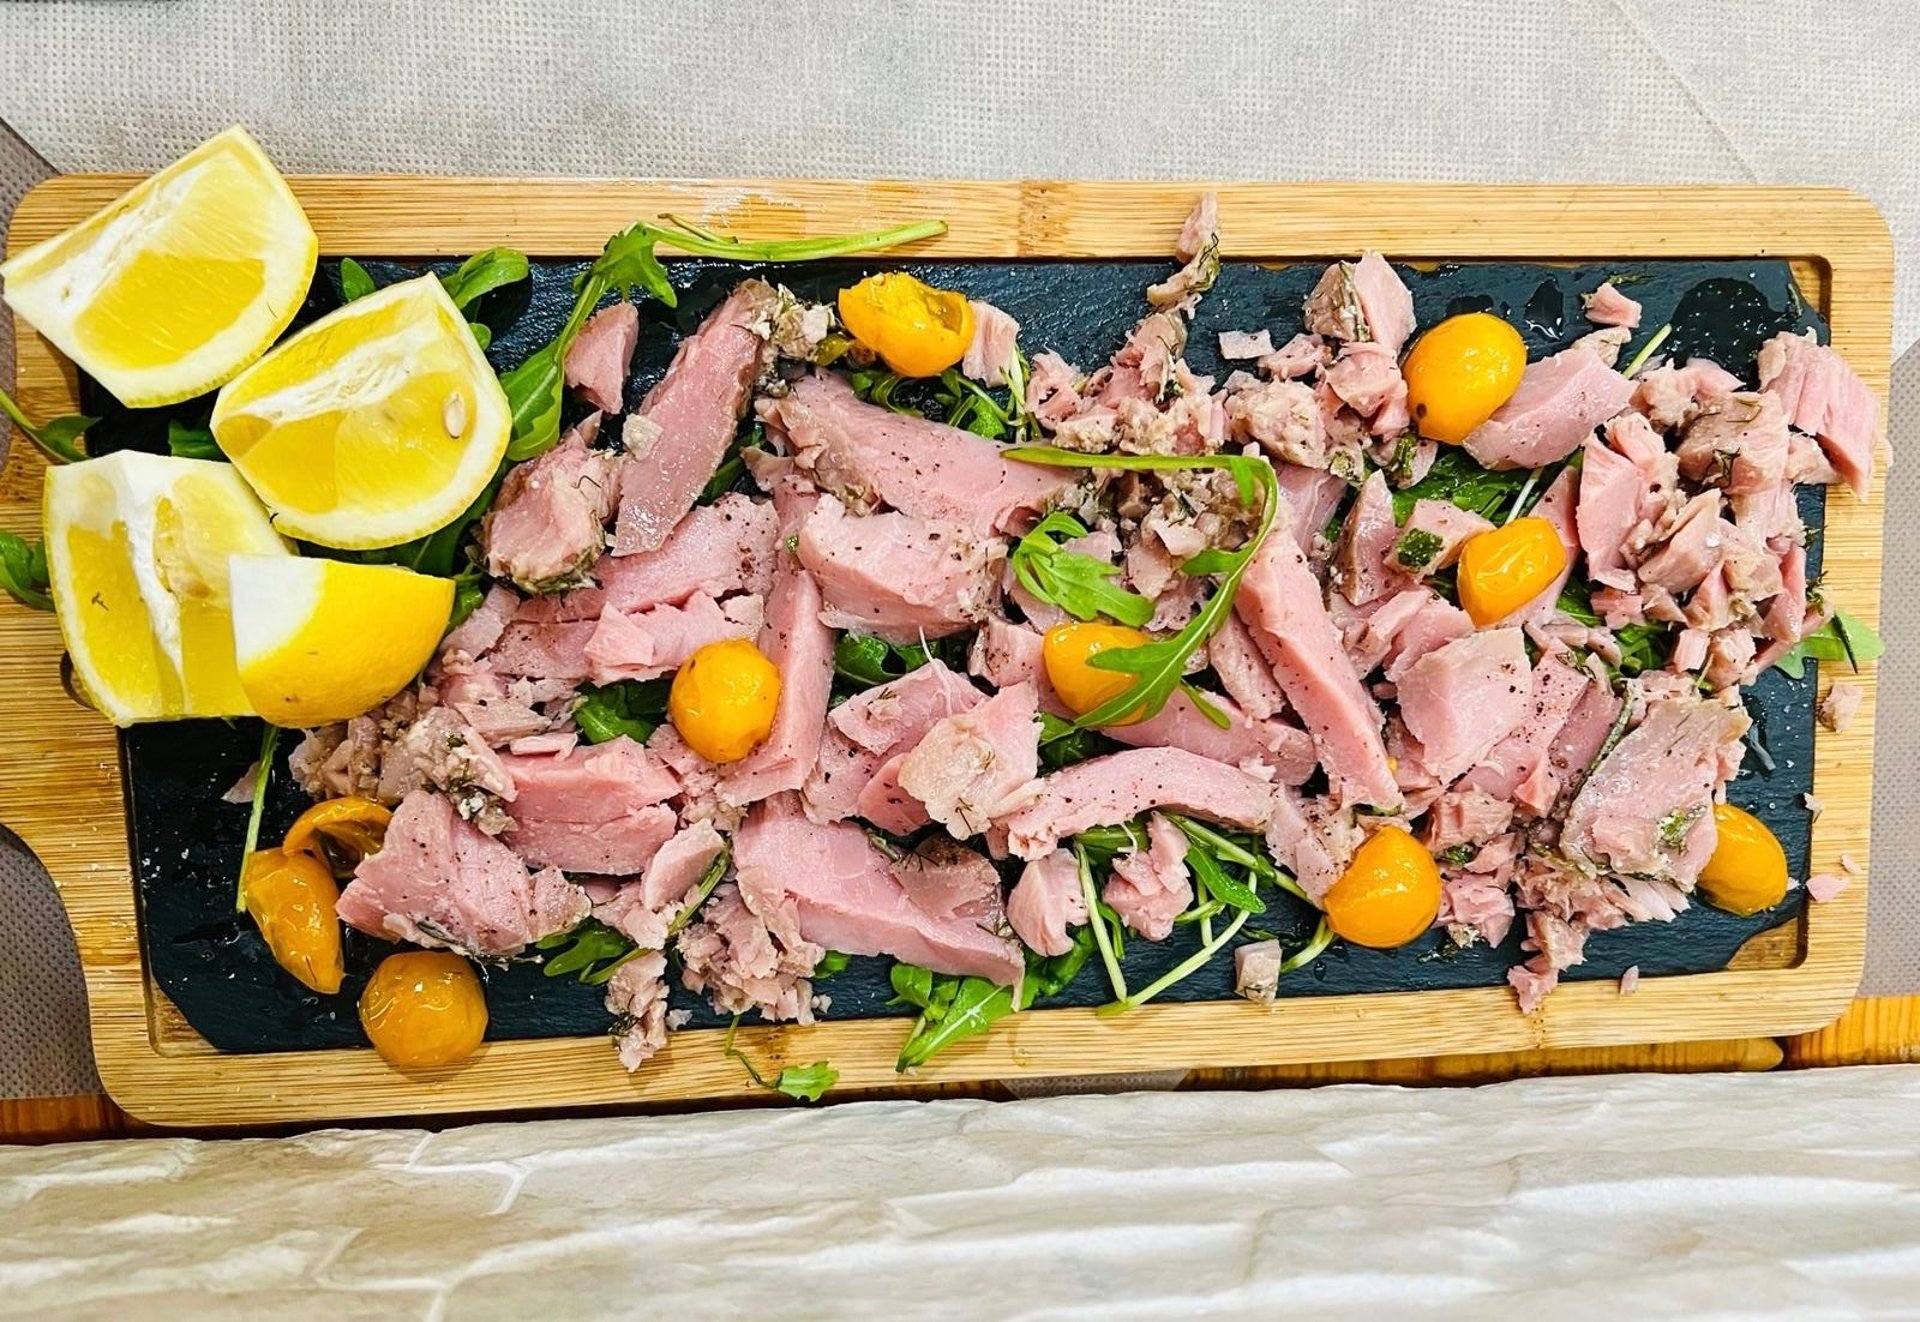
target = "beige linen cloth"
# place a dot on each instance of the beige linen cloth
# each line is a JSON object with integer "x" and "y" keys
{"x": 1600, "y": 90}
{"x": 1636, "y": 1196}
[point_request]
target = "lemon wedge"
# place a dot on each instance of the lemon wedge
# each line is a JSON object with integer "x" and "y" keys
{"x": 137, "y": 548}
{"x": 178, "y": 285}
{"x": 322, "y": 640}
{"x": 373, "y": 426}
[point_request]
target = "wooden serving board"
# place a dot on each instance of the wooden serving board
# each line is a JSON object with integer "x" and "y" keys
{"x": 60, "y": 774}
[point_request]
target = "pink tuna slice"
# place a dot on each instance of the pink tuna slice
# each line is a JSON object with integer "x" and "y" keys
{"x": 1046, "y": 902}
{"x": 1243, "y": 672}
{"x": 601, "y": 353}
{"x": 724, "y": 547}
{"x": 651, "y": 643}
{"x": 637, "y": 999}
{"x": 973, "y": 767}
{"x": 1361, "y": 568}
{"x": 896, "y": 576}
{"x": 1647, "y": 809}
{"x": 1237, "y": 345}
{"x": 1560, "y": 401}
{"x": 1476, "y": 902}
{"x": 1738, "y": 442}
{"x": 1611, "y": 491}
{"x": 1118, "y": 787}
{"x": 600, "y": 809}
{"x": 548, "y": 525}
{"x": 1607, "y": 306}
{"x": 1462, "y": 699}
{"x": 801, "y": 648}
{"x": 1149, "y": 888}
{"x": 1285, "y": 751}
{"x": 1363, "y": 300}
{"x": 847, "y": 897}
{"x": 945, "y": 880}
{"x": 672, "y": 873}
{"x": 1299, "y": 844}
{"x": 1692, "y": 551}
{"x": 995, "y": 347}
{"x": 1280, "y": 601}
{"x": 877, "y": 726}
{"x": 1314, "y": 495}
{"x": 1519, "y": 766}
{"x": 440, "y": 881}
{"x": 867, "y": 455}
{"x": 696, "y": 408}
{"x": 481, "y": 698}
{"x": 1465, "y": 817}
{"x": 543, "y": 651}
{"x": 887, "y": 805}
{"x": 1437, "y": 623}
{"x": 1442, "y": 520}
{"x": 482, "y": 629}
{"x": 1825, "y": 398}
{"x": 1366, "y": 377}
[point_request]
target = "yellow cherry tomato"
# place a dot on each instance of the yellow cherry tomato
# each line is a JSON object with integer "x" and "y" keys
{"x": 423, "y": 1008}
{"x": 724, "y": 698}
{"x": 339, "y": 832}
{"x": 1460, "y": 371}
{"x": 916, "y": 329}
{"x": 1748, "y": 870}
{"x": 1067, "y": 651}
{"x": 1503, "y": 569}
{"x": 1388, "y": 895}
{"x": 291, "y": 898}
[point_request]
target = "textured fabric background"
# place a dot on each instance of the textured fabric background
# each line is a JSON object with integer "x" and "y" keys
{"x": 1555, "y": 90}
{"x": 1633, "y": 1196}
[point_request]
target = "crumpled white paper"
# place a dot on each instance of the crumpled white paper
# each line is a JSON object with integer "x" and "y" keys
{"x": 1796, "y": 1195}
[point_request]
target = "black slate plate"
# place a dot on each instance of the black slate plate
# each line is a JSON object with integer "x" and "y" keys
{"x": 186, "y": 842}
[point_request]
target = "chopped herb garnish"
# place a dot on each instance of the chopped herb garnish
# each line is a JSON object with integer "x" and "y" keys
{"x": 1417, "y": 549}
{"x": 1081, "y": 585}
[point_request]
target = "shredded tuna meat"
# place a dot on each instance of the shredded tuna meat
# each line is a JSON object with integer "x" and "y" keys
{"x": 992, "y": 355}
{"x": 440, "y": 881}
{"x": 1841, "y": 704}
{"x": 600, "y": 355}
{"x": 637, "y": 1000}
{"x": 1607, "y": 306}
{"x": 1047, "y": 902}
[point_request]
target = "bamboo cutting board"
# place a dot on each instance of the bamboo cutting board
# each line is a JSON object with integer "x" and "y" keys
{"x": 60, "y": 774}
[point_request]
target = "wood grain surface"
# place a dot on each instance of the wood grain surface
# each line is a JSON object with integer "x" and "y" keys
{"x": 60, "y": 785}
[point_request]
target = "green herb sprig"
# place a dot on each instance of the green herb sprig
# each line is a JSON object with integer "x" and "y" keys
{"x": 631, "y": 707}
{"x": 269, "y": 742}
{"x": 627, "y": 264}
{"x": 1161, "y": 666}
{"x": 1842, "y": 638}
{"x": 953, "y": 1008}
{"x": 56, "y": 438}
{"x": 23, "y": 571}
{"x": 1081, "y": 585}
{"x": 801, "y": 1082}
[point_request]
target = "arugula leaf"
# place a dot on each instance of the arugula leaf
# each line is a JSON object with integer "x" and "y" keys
{"x": 912, "y": 985}
{"x": 802, "y": 1082}
{"x": 1062, "y": 743}
{"x": 1458, "y": 480}
{"x": 1079, "y": 584}
{"x": 482, "y": 334}
{"x": 483, "y": 273}
{"x": 627, "y": 264}
{"x": 870, "y": 661}
{"x": 187, "y": 441}
{"x": 1161, "y": 665}
{"x": 23, "y": 571}
{"x": 1049, "y": 975}
{"x": 876, "y": 385}
{"x": 973, "y": 1006}
{"x": 55, "y": 438}
{"x": 831, "y": 963}
{"x": 269, "y": 741}
{"x": 734, "y": 466}
{"x": 591, "y": 952}
{"x": 355, "y": 283}
{"x": 1217, "y": 883}
{"x": 631, "y": 707}
{"x": 1842, "y": 638}
{"x": 469, "y": 590}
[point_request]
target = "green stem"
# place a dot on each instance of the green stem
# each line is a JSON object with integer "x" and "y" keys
{"x": 1179, "y": 972}
{"x": 1646, "y": 350}
{"x": 1322, "y": 938}
{"x": 269, "y": 741}
{"x": 715, "y": 870}
{"x": 1114, "y": 975}
{"x": 700, "y": 243}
